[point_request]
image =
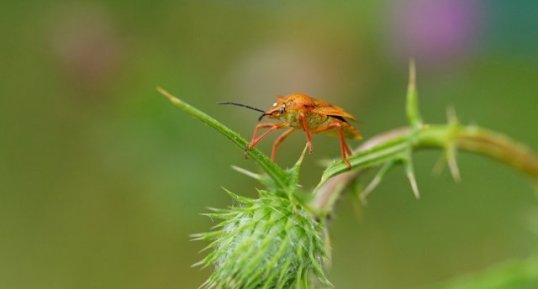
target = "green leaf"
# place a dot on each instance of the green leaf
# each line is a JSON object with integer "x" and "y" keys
{"x": 273, "y": 170}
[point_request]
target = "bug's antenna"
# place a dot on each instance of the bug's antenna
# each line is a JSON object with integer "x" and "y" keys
{"x": 241, "y": 105}
{"x": 261, "y": 116}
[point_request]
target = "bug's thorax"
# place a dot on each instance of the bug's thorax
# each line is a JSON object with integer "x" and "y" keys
{"x": 289, "y": 108}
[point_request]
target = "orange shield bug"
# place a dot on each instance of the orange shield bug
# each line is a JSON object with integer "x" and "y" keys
{"x": 302, "y": 112}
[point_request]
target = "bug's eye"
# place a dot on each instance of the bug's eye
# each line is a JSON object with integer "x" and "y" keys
{"x": 283, "y": 108}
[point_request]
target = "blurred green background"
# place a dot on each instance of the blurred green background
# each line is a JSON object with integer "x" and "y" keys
{"x": 102, "y": 180}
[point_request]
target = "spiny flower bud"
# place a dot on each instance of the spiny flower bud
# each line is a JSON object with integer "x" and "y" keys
{"x": 269, "y": 242}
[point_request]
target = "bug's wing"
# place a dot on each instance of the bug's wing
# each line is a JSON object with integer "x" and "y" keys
{"x": 352, "y": 133}
{"x": 324, "y": 108}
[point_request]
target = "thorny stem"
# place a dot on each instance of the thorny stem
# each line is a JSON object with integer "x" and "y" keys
{"x": 392, "y": 146}
{"x": 389, "y": 145}
{"x": 396, "y": 146}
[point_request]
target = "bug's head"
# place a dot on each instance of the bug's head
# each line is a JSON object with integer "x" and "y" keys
{"x": 277, "y": 109}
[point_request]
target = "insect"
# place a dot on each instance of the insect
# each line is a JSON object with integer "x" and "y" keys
{"x": 302, "y": 112}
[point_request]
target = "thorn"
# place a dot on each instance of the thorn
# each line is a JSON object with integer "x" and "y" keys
{"x": 412, "y": 180}
{"x": 357, "y": 212}
{"x": 375, "y": 182}
{"x": 439, "y": 166}
{"x": 369, "y": 189}
{"x": 247, "y": 173}
{"x": 294, "y": 171}
{"x": 413, "y": 114}
{"x": 412, "y": 75}
{"x": 451, "y": 115}
{"x": 198, "y": 264}
{"x": 234, "y": 197}
{"x": 452, "y": 163}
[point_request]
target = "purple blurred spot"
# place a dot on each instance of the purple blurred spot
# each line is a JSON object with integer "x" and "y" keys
{"x": 85, "y": 45}
{"x": 436, "y": 32}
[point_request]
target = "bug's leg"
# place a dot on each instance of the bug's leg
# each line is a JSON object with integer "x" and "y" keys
{"x": 343, "y": 146}
{"x": 254, "y": 135}
{"x": 341, "y": 133}
{"x": 279, "y": 140}
{"x": 348, "y": 151}
{"x": 307, "y": 131}
{"x": 256, "y": 140}
{"x": 258, "y": 127}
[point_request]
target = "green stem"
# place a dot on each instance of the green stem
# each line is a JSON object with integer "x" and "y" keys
{"x": 274, "y": 171}
{"x": 392, "y": 145}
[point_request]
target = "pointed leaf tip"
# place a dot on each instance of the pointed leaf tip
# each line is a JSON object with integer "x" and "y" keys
{"x": 248, "y": 173}
{"x": 452, "y": 116}
{"x": 411, "y": 176}
{"x": 375, "y": 181}
{"x": 412, "y": 74}
{"x": 301, "y": 158}
{"x": 413, "y": 113}
{"x": 295, "y": 170}
{"x": 166, "y": 94}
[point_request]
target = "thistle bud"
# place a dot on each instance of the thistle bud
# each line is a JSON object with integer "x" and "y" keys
{"x": 269, "y": 242}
